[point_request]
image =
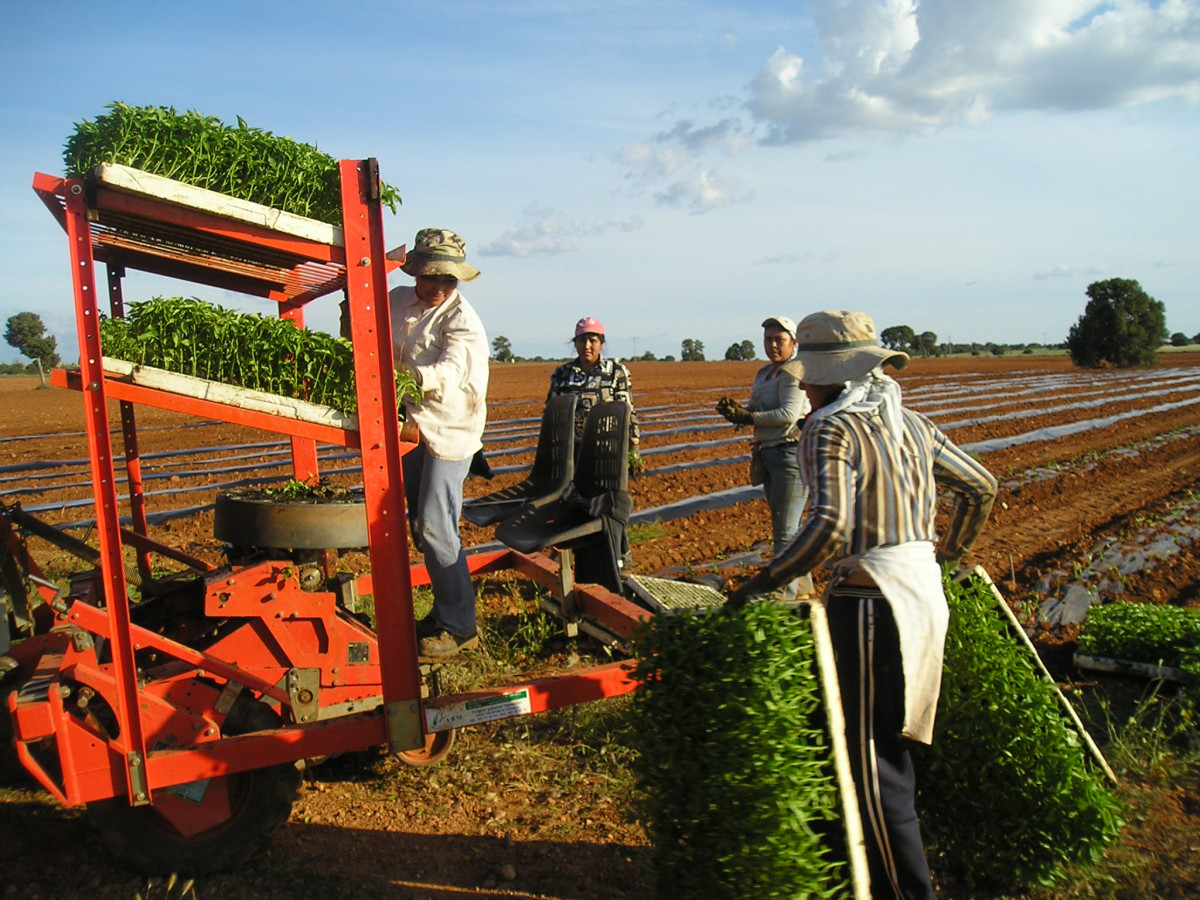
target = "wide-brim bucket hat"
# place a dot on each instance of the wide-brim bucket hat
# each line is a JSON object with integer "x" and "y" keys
{"x": 437, "y": 251}
{"x": 836, "y": 345}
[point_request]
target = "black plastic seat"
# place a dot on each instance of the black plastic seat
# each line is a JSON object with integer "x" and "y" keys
{"x": 553, "y": 468}
{"x": 591, "y": 515}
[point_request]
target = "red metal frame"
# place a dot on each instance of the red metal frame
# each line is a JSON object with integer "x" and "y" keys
{"x": 108, "y": 524}
{"x": 111, "y": 707}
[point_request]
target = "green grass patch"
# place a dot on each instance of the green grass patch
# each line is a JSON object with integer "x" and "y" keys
{"x": 647, "y": 531}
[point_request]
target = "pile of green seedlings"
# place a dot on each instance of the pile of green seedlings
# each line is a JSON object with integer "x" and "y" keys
{"x": 739, "y": 796}
{"x": 190, "y": 337}
{"x": 734, "y": 762}
{"x": 1007, "y": 794}
{"x": 244, "y": 162}
{"x": 1144, "y": 632}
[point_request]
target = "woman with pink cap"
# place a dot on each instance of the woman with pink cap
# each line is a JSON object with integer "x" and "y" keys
{"x": 596, "y": 379}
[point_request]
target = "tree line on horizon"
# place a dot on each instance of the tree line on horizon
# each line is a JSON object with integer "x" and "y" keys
{"x": 1121, "y": 326}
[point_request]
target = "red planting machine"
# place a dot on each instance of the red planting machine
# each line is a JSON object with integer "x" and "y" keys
{"x": 179, "y": 717}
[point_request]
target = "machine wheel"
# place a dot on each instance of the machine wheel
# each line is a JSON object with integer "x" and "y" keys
{"x": 220, "y": 836}
{"x": 437, "y": 745}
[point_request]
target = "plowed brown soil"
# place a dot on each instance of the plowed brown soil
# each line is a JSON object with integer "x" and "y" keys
{"x": 345, "y": 839}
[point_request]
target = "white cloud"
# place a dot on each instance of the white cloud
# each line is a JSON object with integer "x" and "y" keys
{"x": 783, "y": 259}
{"x": 545, "y": 231}
{"x": 726, "y": 135}
{"x": 645, "y": 162}
{"x": 669, "y": 151}
{"x": 706, "y": 191}
{"x": 1061, "y": 271}
{"x": 896, "y": 66}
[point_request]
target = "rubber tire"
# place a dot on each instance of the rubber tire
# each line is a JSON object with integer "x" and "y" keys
{"x": 260, "y": 801}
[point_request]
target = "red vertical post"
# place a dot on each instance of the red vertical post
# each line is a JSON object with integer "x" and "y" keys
{"x": 133, "y": 460}
{"x": 108, "y": 526}
{"x": 379, "y": 437}
{"x": 304, "y": 450}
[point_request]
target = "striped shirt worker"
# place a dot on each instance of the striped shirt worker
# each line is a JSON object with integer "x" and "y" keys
{"x": 870, "y": 490}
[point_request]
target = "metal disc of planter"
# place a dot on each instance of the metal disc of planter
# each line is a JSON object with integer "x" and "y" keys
{"x": 250, "y": 519}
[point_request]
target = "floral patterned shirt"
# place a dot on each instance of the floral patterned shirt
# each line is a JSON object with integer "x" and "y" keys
{"x": 607, "y": 380}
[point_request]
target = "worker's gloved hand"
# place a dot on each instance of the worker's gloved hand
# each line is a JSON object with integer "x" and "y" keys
{"x": 636, "y": 464}
{"x": 734, "y": 412}
{"x": 756, "y": 588}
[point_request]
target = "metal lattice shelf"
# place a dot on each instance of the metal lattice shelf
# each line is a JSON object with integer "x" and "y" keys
{"x": 666, "y": 596}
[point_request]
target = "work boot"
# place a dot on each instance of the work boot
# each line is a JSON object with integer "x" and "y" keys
{"x": 427, "y": 627}
{"x": 444, "y": 645}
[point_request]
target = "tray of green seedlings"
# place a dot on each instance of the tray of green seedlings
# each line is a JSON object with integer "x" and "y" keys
{"x": 189, "y": 337}
{"x": 1145, "y": 639}
{"x": 1008, "y": 793}
{"x": 738, "y": 780}
{"x": 236, "y": 160}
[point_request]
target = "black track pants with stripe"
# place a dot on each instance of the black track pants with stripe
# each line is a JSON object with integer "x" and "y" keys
{"x": 866, "y": 645}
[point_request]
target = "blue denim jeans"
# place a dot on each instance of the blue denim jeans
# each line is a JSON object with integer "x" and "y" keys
{"x": 786, "y": 495}
{"x": 433, "y": 491}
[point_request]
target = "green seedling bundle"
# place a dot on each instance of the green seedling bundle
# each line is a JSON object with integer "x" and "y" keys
{"x": 190, "y": 337}
{"x": 735, "y": 765}
{"x": 1143, "y": 632}
{"x": 1007, "y": 794}
{"x": 240, "y": 161}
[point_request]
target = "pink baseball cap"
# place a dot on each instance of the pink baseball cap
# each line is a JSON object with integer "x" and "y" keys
{"x": 588, "y": 325}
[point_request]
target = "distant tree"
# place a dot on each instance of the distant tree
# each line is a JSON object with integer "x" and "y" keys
{"x": 925, "y": 343}
{"x": 502, "y": 349}
{"x": 27, "y": 334}
{"x": 897, "y": 337}
{"x": 648, "y": 356}
{"x": 1179, "y": 339}
{"x": 741, "y": 350}
{"x": 692, "y": 351}
{"x": 1196, "y": 338}
{"x": 1121, "y": 326}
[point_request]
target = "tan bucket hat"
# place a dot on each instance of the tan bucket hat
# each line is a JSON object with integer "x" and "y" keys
{"x": 437, "y": 251}
{"x": 837, "y": 345}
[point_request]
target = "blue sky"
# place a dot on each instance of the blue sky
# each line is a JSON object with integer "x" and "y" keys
{"x": 676, "y": 169}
